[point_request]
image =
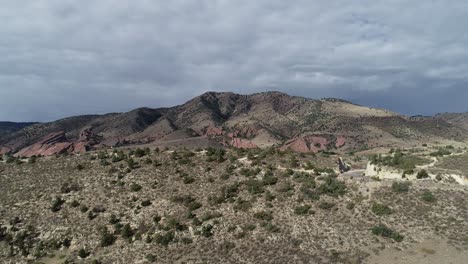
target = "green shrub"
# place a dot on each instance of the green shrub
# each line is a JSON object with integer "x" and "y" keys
{"x": 398, "y": 160}
{"x": 264, "y": 215}
{"x": 57, "y": 204}
{"x": 427, "y": 196}
{"x": 83, "y": 253}
{"x": 400, "y": 187}
{"x": 422, "y": 174}
{"x": 384, "y": 231}
{"x": 326, "y": 205}
{"x": 135, "y": 187}
{"x": 332, "y": 187}
{"x": 107, "y": 238}
{"x": 74, "y": 204}
{"x": 242, "y": 205}
{"x": 164, "y": 238}
{"x": 127, "y": 231}
{"x": 381, "y": 209}
{"x": 302, "y": 209}
{"x": 146, "y": 203}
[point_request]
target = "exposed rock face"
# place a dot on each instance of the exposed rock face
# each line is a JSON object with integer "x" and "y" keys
{"x": 307, "y": 144}
{"x": 57, "y": 143}
{"x": 340, "y": 142}
{"x": 242, "y": 143}
{"x": 214, "y": 131}
{"x": 54, "y": 143}
{"x": 245, "y": 132}
{"x": 4, "y": 150}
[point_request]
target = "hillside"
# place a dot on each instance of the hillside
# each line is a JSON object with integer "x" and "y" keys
{"x": 234, "y": 206}
{"x": 11, "y": 127}
{"x": 247, "y": 121}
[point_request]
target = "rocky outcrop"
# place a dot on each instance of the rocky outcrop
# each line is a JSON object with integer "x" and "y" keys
{"x": 4, "y": 150}
{"x": 245, "y": 132}
{"x": 241, "y": 143}
{"x": 57, "y": 143}
{"x": 307, "y": 144}
{"x": 54, "y": 143}
{"x": 340, "y": 142}
{"x": 214, "y": 131}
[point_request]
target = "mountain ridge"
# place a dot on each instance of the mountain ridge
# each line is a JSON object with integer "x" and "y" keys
{"x": 254, "y": 120}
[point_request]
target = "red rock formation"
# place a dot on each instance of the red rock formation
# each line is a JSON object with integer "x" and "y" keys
{"x": 340, "y": 141}
{"x": 242, "y": 143}
{"x": 307, "y": 144}
{"x": 4, "y": 150}
{"x": 245, "y": 132}
{"x": 214, "y": 131}
{"x": 54, "y": 143}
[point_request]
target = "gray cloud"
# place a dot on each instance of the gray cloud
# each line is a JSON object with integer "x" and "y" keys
{"x": 64, "y": 57}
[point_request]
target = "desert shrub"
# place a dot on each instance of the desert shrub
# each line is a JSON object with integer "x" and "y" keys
{"x": 422, "y": 174}
{"x": 264, "y": 215}
{"x": 146, "y": 203}
{"x": 188, "y": 179}
{"x": 206, "y": 231}
{"x": 135, "y": 187}
{"x": 441, "y": 152}
{"x": 302, "y": 209}
{"x": 350, "y": 205}
{"x": 187, "y": 200}
{"x": 164, "y": 238}
{"x": 398, "y": 160}
{"x": 284, "y": 187}
{"x": 83, "y": 208}
{"x": 104, "y": 162}
{"x": 427, "y": 196}
{"x": 384, "y": 231}
{"x": 250, "y": 172}
{"x": 381, "y": 209}
{"x": 57, "y": 204}
{"x": 326, "y": 205}
{"x": 331, "y": 186}
{"x": 83, "y": 253}
{"x": 215, "y": 155}
{"x": 270, "y": 227}
{"x": 139, "y": 153}
{"x": 269, "y": 180}
{"x": 106, "y": 238}
{"x": 151, "y": 258}
{"x": 210, "y": 215}
{"x": 254, "y": 186}
{"x": 242, "y": 205}
{"x": 293, "y": 162}
{"x": 438, "y": 176}
{"x": 127, "y": 231}
{"x": 131, "y": 163}
{"x": 74, "y": 204}
{"x": 400, "y": 187}
{"x": 69, "y": 187}
{"x": 32, "y": 159}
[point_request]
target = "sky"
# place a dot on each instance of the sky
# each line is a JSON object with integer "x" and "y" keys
{"x": 60, "y": 58}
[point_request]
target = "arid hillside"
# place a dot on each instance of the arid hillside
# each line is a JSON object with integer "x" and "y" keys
{"x": 234, "y": 206}
{"x": 240, "y": 121}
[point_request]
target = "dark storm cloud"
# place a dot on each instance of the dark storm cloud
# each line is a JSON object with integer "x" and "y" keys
{"x": 63, "y": 57}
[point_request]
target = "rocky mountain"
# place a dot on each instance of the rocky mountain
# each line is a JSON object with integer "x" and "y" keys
{"x": 242, "y": 121}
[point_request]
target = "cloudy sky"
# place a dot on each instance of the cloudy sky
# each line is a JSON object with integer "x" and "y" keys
{"x": 66, "y": 57}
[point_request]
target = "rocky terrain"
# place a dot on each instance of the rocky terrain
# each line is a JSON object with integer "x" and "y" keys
{"x": 240, "y": 121}
{"x": 233, "y": 206}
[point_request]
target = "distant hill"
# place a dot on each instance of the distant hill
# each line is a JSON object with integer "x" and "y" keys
{"x": 11, "y": 127}
{"x": 256, "y": 120}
